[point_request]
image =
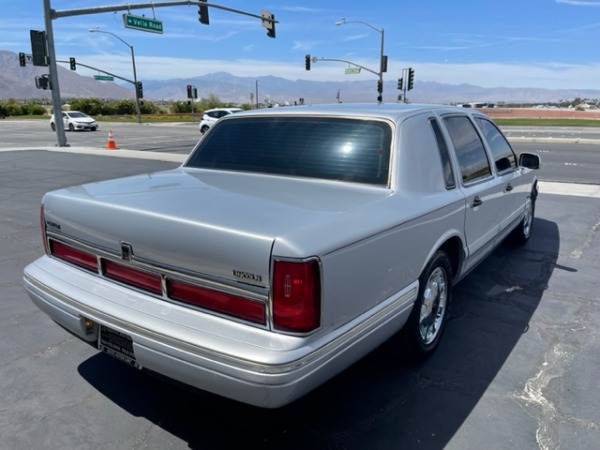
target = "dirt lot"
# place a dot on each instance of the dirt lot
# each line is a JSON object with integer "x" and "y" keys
{"x": 540, "y": 113}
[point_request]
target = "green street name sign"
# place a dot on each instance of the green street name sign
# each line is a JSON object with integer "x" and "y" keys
{"x": 142, "y": 23}
{"x": 351, "y": 70}
{"x": 103, "y": 77}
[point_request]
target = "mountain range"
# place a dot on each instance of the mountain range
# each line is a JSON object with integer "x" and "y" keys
{"x": 19, "y": 83}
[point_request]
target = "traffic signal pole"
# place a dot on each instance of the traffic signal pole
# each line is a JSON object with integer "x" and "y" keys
{"x": 315, "y": 59}
{"x": 267, "y": 19}
{"x": 53, "y": 70}
{"x": 99, "y": 70}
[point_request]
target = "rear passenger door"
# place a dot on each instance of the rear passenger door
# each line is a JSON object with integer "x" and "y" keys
{"x": 481, "y": 188}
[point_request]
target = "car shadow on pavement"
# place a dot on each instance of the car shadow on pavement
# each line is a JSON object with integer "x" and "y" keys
{"x": 383, "y": 401}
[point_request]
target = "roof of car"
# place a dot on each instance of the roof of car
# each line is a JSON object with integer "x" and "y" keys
{"x": 223, "y": 109}
{"x": 393, "y": 111}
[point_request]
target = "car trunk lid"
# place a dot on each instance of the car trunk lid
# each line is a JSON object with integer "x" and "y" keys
{"x": 220, "y": 225}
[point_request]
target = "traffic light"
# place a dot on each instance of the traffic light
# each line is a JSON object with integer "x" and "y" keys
{"x": 379, "y": 86}
{"x": 190, "y": 92}
{"x": 411, "y": 78}
{"x": 203, "y": 12}
{"x": 139, "y": 89}
{"x": 400, "y": 83}
{"x": 307, "y": 62}
{"x": 195, "y": 92}
{"x": 39, "y": 48}
{"x": 73, "y": 63}
{"x": 43, "y": 82}
{"x": 22, "y": 60}
{"x": 268, "y": 21}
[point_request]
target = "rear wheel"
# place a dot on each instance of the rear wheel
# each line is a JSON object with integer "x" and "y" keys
{"x": 424, "y": 328}
{"x": 71, "y": 127}
{"x": 53, "y": 126}
{"x": 522, "y": 233}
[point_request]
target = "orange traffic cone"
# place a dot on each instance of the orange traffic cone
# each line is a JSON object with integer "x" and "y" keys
{"x": 111, "y": 144}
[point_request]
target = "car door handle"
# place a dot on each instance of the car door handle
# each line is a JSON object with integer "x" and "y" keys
{"x": 476, "y": 201}
{"x": 508, "y": 188}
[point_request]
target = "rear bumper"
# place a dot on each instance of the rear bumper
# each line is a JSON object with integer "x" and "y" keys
{"x": 234, "y": 360}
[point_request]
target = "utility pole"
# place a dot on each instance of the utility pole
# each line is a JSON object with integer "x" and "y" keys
{"x": 267, "y": 20}
{"x": 53, "y": 71}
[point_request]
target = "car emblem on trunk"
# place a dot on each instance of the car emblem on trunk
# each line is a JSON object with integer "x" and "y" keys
{"x": 126, "y": 251}
{"x": 247, "y": 276}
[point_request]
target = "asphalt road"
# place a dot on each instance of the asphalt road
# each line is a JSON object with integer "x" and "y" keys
{"x": 177, "y": 138}
{"x": 517, "y": 369}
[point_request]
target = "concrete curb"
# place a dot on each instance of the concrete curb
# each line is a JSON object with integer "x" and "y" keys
{"x": 550, "y": 140}
{"x": 118, "y": 153}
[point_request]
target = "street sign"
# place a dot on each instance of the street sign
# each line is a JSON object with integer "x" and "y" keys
{"x": 352, "y": 70}
{"x": 142, "y": 23}
{"x": 103, "y": 78}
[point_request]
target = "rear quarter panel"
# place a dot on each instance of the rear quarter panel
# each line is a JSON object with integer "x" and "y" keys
{"x": 413, "y": 222}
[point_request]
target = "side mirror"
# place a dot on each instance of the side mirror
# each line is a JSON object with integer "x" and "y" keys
{"x": 502, "y": 164}
{"x": 529, "y": 160}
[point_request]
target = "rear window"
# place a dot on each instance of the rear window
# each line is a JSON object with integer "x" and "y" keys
{"x": 329, "y": 148}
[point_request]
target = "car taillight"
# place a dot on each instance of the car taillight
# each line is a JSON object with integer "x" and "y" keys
{"x": 296, "y": 295}
{"x": 222, "y": 302}
{"x": 73, "y": 255}
{"x": 132, "y": 276}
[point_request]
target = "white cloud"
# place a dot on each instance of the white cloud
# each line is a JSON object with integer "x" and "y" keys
{"x": 491, "y": 74}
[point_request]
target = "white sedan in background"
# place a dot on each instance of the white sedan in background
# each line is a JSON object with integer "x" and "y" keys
{"x": 210, "y": 116}
{"x": 75, "y": 120}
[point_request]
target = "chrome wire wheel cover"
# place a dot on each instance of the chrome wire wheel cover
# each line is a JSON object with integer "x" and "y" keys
{"x": 435, "y": 296}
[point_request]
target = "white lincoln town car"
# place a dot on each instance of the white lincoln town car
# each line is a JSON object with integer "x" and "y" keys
{"x": 291, "y": 242}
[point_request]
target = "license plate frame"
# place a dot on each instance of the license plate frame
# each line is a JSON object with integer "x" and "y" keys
{"x": 117, "y": 344}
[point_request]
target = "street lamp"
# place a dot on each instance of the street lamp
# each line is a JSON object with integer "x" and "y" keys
{"x": 135, "y": 82}
{"x": 382, "y": 64}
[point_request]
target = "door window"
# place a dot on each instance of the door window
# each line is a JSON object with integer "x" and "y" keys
{"x": 472, "y": 158}
{"x": 504, "y": 156}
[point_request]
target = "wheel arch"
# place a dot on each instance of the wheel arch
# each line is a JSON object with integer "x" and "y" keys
{"x": 453, "y": 247}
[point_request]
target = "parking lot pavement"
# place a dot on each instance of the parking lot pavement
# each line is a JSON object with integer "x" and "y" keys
{"x": 517, "y": 369}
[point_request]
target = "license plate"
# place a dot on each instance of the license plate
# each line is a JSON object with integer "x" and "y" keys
{"x": 117, "y": 344}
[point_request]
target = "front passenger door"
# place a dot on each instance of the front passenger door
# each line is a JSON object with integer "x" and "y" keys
{"x": 505, "y": 165}
{"x": 481, "y": 189}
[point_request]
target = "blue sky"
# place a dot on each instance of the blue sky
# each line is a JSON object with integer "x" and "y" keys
{"x": 490, "y": 43}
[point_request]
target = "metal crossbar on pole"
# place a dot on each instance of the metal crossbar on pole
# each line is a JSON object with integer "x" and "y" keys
{"x": 51, "y": 14}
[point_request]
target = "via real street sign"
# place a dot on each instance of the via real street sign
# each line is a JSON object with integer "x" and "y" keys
{"x": 352, "y": 70}
{"x": 142, "y": 23}
{"x": 103, "y": 78}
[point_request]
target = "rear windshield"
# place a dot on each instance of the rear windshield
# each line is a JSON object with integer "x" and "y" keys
{"x": 330, "y": 148}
